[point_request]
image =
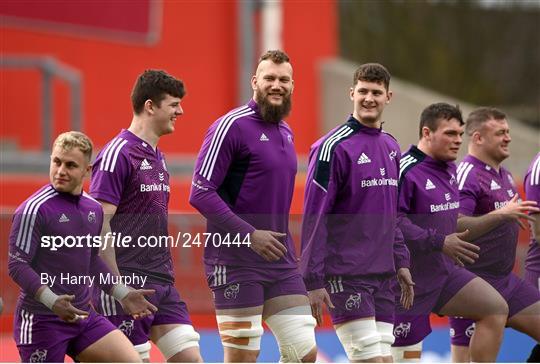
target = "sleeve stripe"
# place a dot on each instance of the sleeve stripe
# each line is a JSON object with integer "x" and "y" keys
{"x": 326, "y": 148}
{"x": 113, "y": 164}
{"x": 108, "y": 160}
{"x": 404, "y": 163}
{"x": 460, "y": 169}
{"x": 90, "y": 197}
{"x": 217, "y": 140}
{"x": 217, "y": 134}
{"x": 104, "y": 165}
{"x": 535, "y": 172}
{"x": 28, "y": 219}
{"x": 465, "y": 173}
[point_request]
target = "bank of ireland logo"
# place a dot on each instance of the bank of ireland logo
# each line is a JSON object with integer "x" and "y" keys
{"x": 127, "y": 327}
{"x": 383, "y": 171}
{"x": 402, "y": 330}
{"x": 38, "y": 356}
{"x": 353, "y": 302}
{"x": 92, "y": 217}
{"x": 231, "y": 292}
{"x": 470, "y": 330}
{"x": 447, "y": 196}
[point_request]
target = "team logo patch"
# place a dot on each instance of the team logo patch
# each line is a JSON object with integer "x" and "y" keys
{"x": 38, "y": 356}
{"x": 470, "y": 330}
{"x": 392, "y": 155}
{"x": 92, "y": 217}
{"x": 452, "y": 180}
{"x": 353, "y": 302}
{"x": 231, "y": 292}
{"x": 289, "y": 138}
{"x": 127, "y": 327}
{"x": 402, "y": 330}
{"x": 452, "y": 332}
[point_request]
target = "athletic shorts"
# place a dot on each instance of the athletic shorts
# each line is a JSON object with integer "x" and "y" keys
{"x": 356, "y": 297}
{"x": 171, "y": 310}
{"x": 47, "y": 338}
{"x": 241, "y": 287}
{"x": 412, "y": 326}
{"x": 518, "y": 294}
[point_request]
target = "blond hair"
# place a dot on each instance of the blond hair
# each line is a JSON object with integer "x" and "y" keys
{"x": 75, "y": 139}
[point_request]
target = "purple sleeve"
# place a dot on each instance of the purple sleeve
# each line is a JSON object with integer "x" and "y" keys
{"x": 468, "y": 196}
{"x": 220, "y": 146}
{"x": 416, "y": 238}
{"x": 108, "y": 180}
{"x": 402, "y": 257}
{"x": 318, "y": 200}
{"x": 23, "y": 246}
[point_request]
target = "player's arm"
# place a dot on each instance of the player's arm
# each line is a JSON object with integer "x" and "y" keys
{"x": 220, "y": 148}
{"x": 514, "y": 210}
{"x": 107, "y": 251}
{"x": 24, "y": 243}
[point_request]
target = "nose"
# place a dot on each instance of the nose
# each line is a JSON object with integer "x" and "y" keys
{"x": 61, "y": 170}
{"x": 369, "y": 96}
{"x": 179, "y": 110}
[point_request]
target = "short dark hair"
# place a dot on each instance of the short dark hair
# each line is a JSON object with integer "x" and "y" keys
{"x": 155, "y": 85}
{"x": 479, "y": 116}
{"x": 372, "y": 72}
{"x": 275, "y": 56}
{"x": 434, "y": 113}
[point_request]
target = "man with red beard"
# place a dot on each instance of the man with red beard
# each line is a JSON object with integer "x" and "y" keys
{"x": 243, "y": 184}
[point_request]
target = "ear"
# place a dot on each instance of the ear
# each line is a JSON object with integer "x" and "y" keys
{"x": 254, "y": 82}
{"x": 476, "y": 137}
{"x": 389, "y": 95}
{"x": 351, "y": 93}
{"x": 149, "y": 106}
{"x": 88, "y": 170}
{"x": 426, "y": 133}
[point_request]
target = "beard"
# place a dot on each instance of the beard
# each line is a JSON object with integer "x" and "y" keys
{"x": 273, "y": 113}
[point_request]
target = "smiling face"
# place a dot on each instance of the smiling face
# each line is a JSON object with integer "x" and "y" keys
{"x": 272, "y": 87}
{"x": 443, "y": 143}
{"x": 166, "y": 114}
{"x": 68, "y": 169}
{"x": 493, "y": 138}
{"x": 369, "y": 99}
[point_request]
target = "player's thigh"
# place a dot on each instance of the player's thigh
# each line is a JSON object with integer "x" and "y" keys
{"x": 113, "y": 347}
{"x": 475, "y": 300}
{"x": 527, "y": 321}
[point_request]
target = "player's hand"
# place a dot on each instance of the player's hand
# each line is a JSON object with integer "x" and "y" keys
{"x": 266, "y": 244}
{"x": 317, "y": 298}
{"x": 136, "y": 305}
{"x": 516, "y": 210}
{"x": 64, "y": 309}
{"x": 407, "y": 287}
{"x": 459, "y": 250}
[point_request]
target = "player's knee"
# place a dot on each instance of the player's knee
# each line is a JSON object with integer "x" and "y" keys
{"x": 242, "y": 333}
{"x": 407, "y": 354}
{"x": 360, "y": 339}
{"x": 143, "y": 350}
{"x": 177, "y": 340}
{"x": 386, "y": 330}
{"x": 295, "y": 333}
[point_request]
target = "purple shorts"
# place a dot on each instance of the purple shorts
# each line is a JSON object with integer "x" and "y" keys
{"x": 240, "y": 287}
{"x": 532, "y": 277}
{"x": 171, "y": 310}
{"x": 46, "y": 338}
{"x": 360, "y": 297}
{"x": 414, "y": 322}
{"x": 518, "y": 294}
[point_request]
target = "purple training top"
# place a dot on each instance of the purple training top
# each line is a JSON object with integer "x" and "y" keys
{"x": 49, "y": 213}
{"x": 481, "y": 190}
{"x": 243, "y": 181}
{"x": 350, "y": 205}
{"x": 532, "y": 191}
{"x": 131, "y": 175}
{"x": 428, "y": 210}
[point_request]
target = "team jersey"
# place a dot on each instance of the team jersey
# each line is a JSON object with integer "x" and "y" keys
{"x": 531, "y": 183}
{"x": 428, "y": 211}
{"x": 243, "y": 181}
{"x": 131, "y": 175}
{"x": 481, "y": 190}
{"x": 33, "y": 261}
{"x": 350, "y": 205}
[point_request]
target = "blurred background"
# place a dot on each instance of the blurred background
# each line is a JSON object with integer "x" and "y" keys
{"x": 70, "y": 65}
